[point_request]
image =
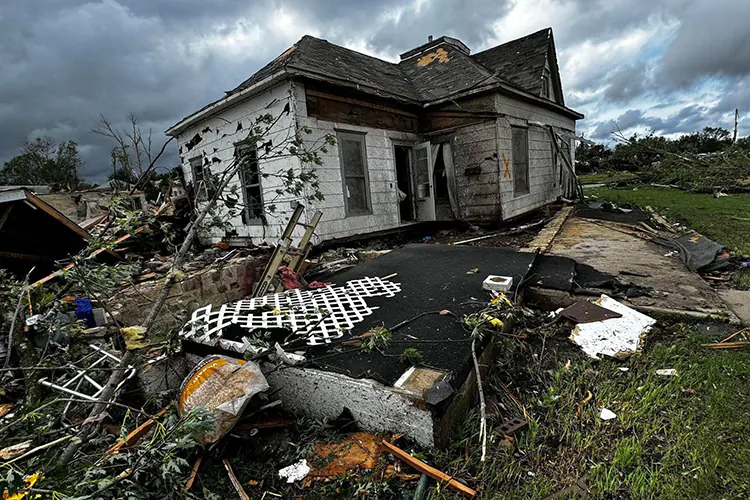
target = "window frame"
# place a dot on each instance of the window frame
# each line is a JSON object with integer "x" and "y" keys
{"x": 527, "y": 190}
{"x": 546, "y": 84}
{"x": 361, "y": 138}
{"x": 248, "y": 217}
{"x": 201, "y": 190}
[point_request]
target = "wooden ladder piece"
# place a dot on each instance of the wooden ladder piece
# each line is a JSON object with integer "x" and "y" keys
{"x": 286, "y": 254}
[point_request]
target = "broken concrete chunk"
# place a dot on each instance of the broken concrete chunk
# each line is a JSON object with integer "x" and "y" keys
{"x": 616, "y": 337}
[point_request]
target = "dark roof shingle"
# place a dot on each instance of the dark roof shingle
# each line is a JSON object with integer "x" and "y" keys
{"x": 435, "y": 73}
{"x": 521, "y": 61}
{"x": 314, "y": 55}
{"x": 443, "y": 71}
{"x": 430, "y": 72}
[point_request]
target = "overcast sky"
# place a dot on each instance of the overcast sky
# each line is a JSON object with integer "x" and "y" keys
{"x": 670, "y": 65}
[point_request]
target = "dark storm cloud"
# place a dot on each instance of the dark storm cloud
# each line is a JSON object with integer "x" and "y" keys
{"x": 71, "y": 61}
{"x": 627, "y": 82}
{"x": 713, "y": 39}
{"x": 471, "y": 21}
{"x": 688, "y": 119}
{"x": 66, "y": 61}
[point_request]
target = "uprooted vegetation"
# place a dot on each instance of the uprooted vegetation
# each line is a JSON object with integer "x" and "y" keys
{"x": 67, "y": 403}
{"x": 703, "y": 162}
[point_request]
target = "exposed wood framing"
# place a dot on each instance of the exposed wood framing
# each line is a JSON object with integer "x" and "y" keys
{"x": 342, "y": 109}
{"x": 358, "y": 102}
{"x": 430, "y": 471}
{"x": 52, "y": 212}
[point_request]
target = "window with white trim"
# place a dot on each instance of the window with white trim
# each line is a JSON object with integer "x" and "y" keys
{"x": 198, "y": 173}
{"x": 353, "y": 157}
{"x": 252, "y": 191}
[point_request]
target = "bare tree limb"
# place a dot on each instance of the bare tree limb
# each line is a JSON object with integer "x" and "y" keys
{"x": 15, "y": 316}
{"x": 482, "y": 405}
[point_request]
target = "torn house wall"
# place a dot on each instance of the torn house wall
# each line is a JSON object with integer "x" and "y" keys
{"x": 476, "y": 165}
{"x": 381, "y": 176}
{"x": 480, "y": 141}
{"x": 213, "y": 141}
{"x": 544, "y": 170}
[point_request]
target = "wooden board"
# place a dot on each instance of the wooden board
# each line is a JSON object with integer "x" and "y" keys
{"x": 430, "y": 471}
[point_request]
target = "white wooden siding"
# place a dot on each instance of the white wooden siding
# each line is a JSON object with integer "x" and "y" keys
{"x": 381, "y": 168}
{"x": 544, "y": 185}
{"x": 218, "y": 142}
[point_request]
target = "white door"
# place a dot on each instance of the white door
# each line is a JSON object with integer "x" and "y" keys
{"x": 424, "y": 189}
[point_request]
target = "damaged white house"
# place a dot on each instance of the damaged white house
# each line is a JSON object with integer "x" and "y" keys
{"x": 443, "y": 134}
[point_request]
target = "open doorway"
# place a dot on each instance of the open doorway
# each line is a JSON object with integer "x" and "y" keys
{"x": 404, "y": 183}
{"x": 440, "y": 181}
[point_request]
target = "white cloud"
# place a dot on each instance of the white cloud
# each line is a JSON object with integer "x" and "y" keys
{"x": 526, "y": 17}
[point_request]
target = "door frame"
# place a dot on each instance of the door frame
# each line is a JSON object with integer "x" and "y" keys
{"x": 410, "y": 172}
{"x": 429, "y": 208}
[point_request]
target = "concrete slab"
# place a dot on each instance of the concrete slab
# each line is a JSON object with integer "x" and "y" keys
{"x": 739, "y": 302}
{"x": 612, "y": 251}
{"x": 382, "y": 392}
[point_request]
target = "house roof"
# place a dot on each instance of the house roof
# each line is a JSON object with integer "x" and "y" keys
{"x": 521, "y": 61}
{"x": 318, "y": 56}
{"x": 433, "y": 71}
{"x": 441, "y": 70}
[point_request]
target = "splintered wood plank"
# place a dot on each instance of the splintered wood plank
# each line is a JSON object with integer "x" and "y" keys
{"x": 235, "y": 482}
{"x": 435, "y": 474}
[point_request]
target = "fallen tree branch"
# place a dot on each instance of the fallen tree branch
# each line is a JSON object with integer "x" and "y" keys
{"x": 482, "y": 405}
{"x": 510, "y": 232}
{"x": 93, "y": 422}
{"x": 38, "y": 449}
{"x": 15, "y": 316}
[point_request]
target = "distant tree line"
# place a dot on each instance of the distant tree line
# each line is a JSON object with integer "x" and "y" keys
{"x": 637, "y": 151}
{"x": 44, "y": 162}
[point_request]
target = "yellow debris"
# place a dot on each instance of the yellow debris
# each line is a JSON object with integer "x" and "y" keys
{"x": 440, "y": 54}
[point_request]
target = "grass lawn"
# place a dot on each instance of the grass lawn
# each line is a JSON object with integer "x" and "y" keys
{"x": 683, "y": 436}
{"x": 726, "y": 219}
{"x": 606, "y": 177}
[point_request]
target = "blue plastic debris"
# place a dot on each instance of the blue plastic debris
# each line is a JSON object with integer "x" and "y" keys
{"x": 85, "y": 311}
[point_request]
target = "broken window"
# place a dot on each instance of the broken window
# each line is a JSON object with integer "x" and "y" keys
{"x": 199, "y": 184}
{"x": 252, "y": 193}
{"x": 353, "y": 156}
{"x": 545, "y": 83}
{"x": 520, "y": 161}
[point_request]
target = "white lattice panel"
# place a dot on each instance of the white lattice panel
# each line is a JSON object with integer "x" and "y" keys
{"x": 301, "y": 311}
